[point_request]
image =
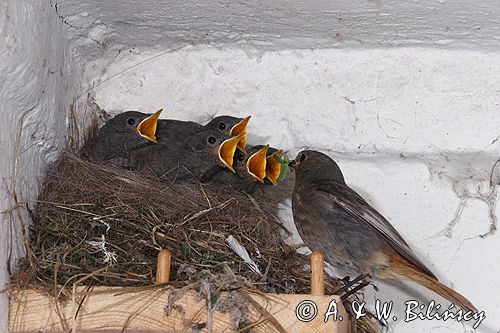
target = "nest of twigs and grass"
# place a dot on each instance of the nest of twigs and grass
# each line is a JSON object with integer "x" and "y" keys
{"x": 109, "y": 223}
{"x": 102, "y": 225}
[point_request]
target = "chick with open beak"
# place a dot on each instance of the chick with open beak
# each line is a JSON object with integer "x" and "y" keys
{"x": 147, "y": 127}
{"x": 232, "y": 126}
{"x": 273, "y": 165}
{"x": 206, "y": 150}
{"x": 241, "y": 179}
{"x": 175, "y": 132}
{"x": 118, "y": 137}
{"x": 258, "y": 166}
{"x": 139, "y": 141}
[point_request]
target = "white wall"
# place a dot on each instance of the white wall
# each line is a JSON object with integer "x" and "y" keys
{"x": 414, "y": 129}
{"x": 37, "y": 83}
{"x": 404, "y": 94}
{"x": 276, "y": 24}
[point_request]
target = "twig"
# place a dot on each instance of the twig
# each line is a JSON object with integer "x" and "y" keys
{"x": 205, "y": 211}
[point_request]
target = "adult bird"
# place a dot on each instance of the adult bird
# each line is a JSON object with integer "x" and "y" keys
{"x": 355, "y": 238}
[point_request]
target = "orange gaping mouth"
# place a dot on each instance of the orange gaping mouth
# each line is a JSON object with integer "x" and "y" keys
{"x": 256, "y": 164}
{"x": 227, "y": 149}
{"x": 241, "y": 128}
{"x": 147, "y": 127}
{"x": 273, "y": 167}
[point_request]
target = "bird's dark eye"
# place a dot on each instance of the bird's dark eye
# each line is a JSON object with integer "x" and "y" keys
{"x": 303, "y": 157}
{"x": 222, "y": 126}
{"x": 241, "y": 157}
{"x": 130, "y": 121}
{"x": 212, "y": 140}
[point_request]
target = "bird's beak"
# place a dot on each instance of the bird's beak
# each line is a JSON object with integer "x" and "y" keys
{"x": 243, "y": 143}
{"x": 256, "y": 164}
{"x": 273, "y": 167}
{"x": 147, "y": 127}
{"x": 227, "y": 149}
{"x": 238, "y": 129}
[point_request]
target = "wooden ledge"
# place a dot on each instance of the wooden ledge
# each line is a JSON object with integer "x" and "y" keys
{"x": 107, "y": 309}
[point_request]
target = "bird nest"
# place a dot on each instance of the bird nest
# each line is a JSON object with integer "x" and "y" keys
{"x": 110, "y": 223}
{"x": 103, "y": 225}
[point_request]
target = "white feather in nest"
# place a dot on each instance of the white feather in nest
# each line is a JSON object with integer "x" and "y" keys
{"x": 243, "y": 253}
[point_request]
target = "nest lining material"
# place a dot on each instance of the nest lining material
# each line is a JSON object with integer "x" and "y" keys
{"x": 103, "y": 225}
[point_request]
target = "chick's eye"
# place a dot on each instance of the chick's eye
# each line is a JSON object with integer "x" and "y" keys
{"x": 222, "y": 126}
{"x": 130, "y": 121}
{"x": 212, "y": 140}
{"x": 303, "y": 157}
{"x": 241, "y": 157}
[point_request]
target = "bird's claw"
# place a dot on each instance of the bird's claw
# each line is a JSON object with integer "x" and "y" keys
{"x": 358, "y": 283}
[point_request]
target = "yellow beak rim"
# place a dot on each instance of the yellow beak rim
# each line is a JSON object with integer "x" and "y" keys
{"x": 238, "y": 129}
{"x": 273, "y": 167}
{"x": 147, "y": 127}
{"x": 256, "y": 164}
{"x": 242, "y": 144}
{"x": 227, "y": 149}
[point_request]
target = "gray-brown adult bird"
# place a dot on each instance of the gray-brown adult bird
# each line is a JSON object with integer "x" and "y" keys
{"x": 335, "y": 220}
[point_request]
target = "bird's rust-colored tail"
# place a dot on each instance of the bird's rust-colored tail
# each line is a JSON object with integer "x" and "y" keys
{"x": 404, "y": 270}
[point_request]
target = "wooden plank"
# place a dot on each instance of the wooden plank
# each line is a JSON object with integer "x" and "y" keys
{"x": 108, "y": 308}
{"x": 284, "y": 310}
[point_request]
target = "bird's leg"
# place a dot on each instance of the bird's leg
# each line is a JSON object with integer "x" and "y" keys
{"x": 346, "y": 279}
{"x": 292, "y": 248}
{"x": 353, "y": 291}
{"x": 350, "y": 283}
{"x": 296, "y": 246}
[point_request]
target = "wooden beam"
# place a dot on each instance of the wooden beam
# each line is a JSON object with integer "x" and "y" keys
{"x": 163, "y": 267}
{"x": 144, "y": 309}
{"x": 317, "y": 273}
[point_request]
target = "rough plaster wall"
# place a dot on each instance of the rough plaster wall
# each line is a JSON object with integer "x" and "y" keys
{"x": 274, "y": 24}
{"x": 415, "y": 131}
{"x": 412, "y": 128}
{"x": 36, "y": 86}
